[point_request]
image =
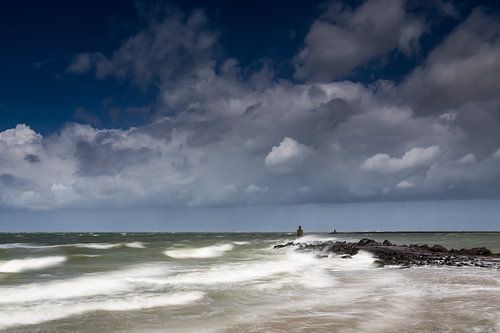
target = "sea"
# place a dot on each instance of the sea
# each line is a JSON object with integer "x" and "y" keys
{"x": 236, "y": 282}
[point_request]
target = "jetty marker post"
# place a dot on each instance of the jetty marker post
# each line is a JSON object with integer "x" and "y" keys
{"x": 300, "y": 232}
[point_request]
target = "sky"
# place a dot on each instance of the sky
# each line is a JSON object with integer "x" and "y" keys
{"x": 252, "y": 115}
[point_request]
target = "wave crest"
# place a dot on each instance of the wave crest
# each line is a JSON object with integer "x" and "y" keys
{"x": 107, "y": 246}
{"x": 84, "y": 286}
{"x": 212, "y": 251}
{"x": 30, "y": 264}
{"x": 8, "y": 246}
{"x": 42, "y": 313}
{"x": 95, "y": 246}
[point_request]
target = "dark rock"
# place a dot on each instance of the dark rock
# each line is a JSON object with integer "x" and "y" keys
{"x": 279, "y": 246}
{"x": 378, "y": 263}
{"x": 479, "y": 251}
{"x": 402, "y": 255}
{"x": 368, "y": 242}
{"x": 387, "y": 243}
{"x": 438, "y": 248}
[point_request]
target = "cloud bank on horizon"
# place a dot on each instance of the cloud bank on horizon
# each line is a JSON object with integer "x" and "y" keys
{"x": 221, "y": 134}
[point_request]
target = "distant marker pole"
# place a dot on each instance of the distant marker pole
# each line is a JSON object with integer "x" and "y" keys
{"x": 300, "y": 232}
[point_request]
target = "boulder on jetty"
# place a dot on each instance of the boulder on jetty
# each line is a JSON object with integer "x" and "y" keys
{"x": 387, "y": 253}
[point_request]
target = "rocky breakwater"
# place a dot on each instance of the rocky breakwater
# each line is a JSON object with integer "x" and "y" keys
{"x": 388, "y": 253}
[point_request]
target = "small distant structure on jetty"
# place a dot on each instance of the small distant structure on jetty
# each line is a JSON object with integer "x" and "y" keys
{"x": 300, "y": 232}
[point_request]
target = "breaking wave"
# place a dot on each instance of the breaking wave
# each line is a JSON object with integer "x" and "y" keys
{"x": 8, "y": 246}
{"x": 30, "y": 264}
{"x": 135, "y": 245}
{"x": 212, "y": 251}
{"x": 47, "y": 312}
{"x": 107, "y": 246}
{"x": 95, "y": 246}
{"x": 86, "y": 255}
{"x": 241, "y": 243}
{"x": 315, "y": 238}
{"x": 300, "y": 267}
{"x": 87, "y": 285}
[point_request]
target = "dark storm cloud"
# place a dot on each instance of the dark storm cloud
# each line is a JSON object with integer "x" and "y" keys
{"x": 9, "y": 180}
{"x": 458, "y": 83}
{"x": 32, "y": 158}
{"x": 464, "y": 69}
{"x": 344, "y": 38}
{"x": 166, "y": 50}
{"x": 219, "y": 136}
{"x": 207, "y": 132}
{"x": 96, "y": 159}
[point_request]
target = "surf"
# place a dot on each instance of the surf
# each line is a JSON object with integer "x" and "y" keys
{"x": 93, "y": 284}
{"x": 212, "y": 251}
{"x": 48, "y": 312}
{"x": 30, "y": 264}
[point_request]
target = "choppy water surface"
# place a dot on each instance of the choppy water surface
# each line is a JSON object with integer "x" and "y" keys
{"x": 235, "y": 283}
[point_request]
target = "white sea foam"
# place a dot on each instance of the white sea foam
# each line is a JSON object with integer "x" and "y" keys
{"x": 95, "y": 246}
{"x": 316, "y": 238}
{"x": 47, "y": 312}
{"x": 253, "y": 272}
{"x": 345, "y": 307}
{"x": 362, "y": 260}
{"x": 87, "y": 285}
{"x": 241, "y": 243}
{"x": 212, "y": 251}
{"x": 290, "y": 268}
{"x": 23, "y": 246}
{"x": 135, "y": 245}
{"x": 30, "y": 264}
{"x": 107, "y": 246}
{"x": 86, "y": 255}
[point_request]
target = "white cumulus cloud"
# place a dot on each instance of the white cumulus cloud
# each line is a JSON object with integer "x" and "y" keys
{"x": 287, "y": 156}
{"x": 415, "y": 157}
{"x": 254, "y": 189}
{"x": 405, "y": 184}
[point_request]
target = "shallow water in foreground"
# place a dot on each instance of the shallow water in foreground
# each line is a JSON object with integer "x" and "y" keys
{"x": 197, "y": 282}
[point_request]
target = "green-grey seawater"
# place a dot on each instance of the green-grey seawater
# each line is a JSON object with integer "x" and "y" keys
{"x": 235, "y": 282}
